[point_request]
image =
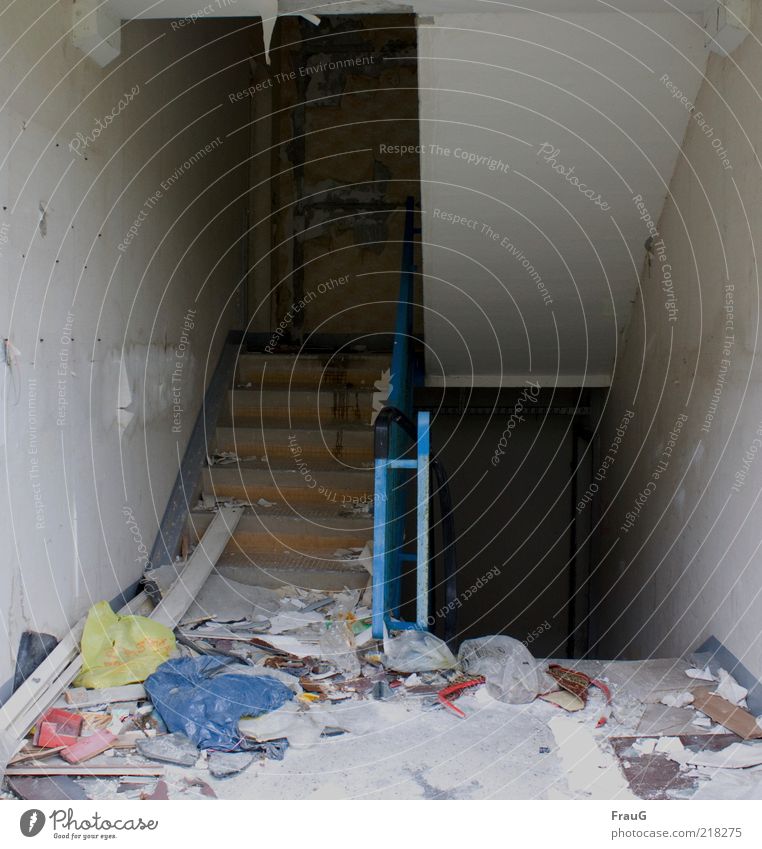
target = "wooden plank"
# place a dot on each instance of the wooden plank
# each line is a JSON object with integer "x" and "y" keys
{"x": 34, "y": 755}
{"x": 46, "y": 788}
{"x": 88, "y": 747}
{"x": 654, "y": 775}
{"x": 735, "y": 719}
{"x": 185, "y": 589}
{"x": 80, "y": 697}
{"x": 85, "y": 769}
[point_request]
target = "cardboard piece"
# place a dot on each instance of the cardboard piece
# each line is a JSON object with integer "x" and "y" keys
{"x": 57, "y": 728}
{"x": 88, "y": 747}
{"x": 563, "y": 699}
{"x": 735, "y": 719}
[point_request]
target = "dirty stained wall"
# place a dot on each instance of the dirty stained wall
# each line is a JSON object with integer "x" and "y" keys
{"x": 344, "y": 134}
{"x": 679, "y": 555}
{"x": 118, "y": 260}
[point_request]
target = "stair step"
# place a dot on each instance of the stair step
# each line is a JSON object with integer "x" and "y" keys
{"x": 311, "y": 572}
{"x": 291, "y": 408}
{"x": 351, "y": 444}
{"x": 292, "y": 533}
{"x": 315, "y": 487}
{"x": 311, "y": 370}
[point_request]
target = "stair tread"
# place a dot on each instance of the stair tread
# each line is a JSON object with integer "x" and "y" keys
{"x": 284, "y": 429}
{"x": 286, "y": 465}
{"x": 261, "y": 518}
{"x": 312, "y": 355}
{"x": 261, "y": 472}
{"x": 316, "y": 561}
{"x": 308, "y": 512}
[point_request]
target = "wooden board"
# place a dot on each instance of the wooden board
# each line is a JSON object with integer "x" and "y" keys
{"x": 46, "y": 788}
{"x": 80, "y": 697}
{"x": 185, "y": 589}
{"x": 85, "y": 769}
{"x": 654, "y": 775}
{"x": 735, "y": 719}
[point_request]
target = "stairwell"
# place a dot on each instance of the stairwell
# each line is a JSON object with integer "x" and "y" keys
{"x": 294, "y": 444}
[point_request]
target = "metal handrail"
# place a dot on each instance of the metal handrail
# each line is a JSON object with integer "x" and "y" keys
{"x": 388, "y": 553}
{"x": 402, "y": 446}
{"x": 390, "y": 516}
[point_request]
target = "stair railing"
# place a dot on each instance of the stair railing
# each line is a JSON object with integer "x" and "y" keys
{"x": 402, "y": 454}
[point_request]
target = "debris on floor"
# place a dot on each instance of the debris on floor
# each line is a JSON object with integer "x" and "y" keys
{"x": 120, "y": 650}
{"x": 256, "y": 677}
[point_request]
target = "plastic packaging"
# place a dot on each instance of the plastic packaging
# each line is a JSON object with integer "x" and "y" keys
{"x": 204, "y": 699}
{"x": 417, "y": 651}
{"x": 119, "y": 650}
{"x": 337, "y": 646}
{"x": 512, "y": 674}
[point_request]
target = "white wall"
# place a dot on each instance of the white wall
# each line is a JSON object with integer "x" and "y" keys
{"x": 690, "y": 566}
{"x": 97, "y": 328}
{"x": 536, "y": 280}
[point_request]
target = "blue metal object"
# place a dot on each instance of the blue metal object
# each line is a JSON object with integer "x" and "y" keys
{"x": 396, "y": 439}
{"x": 389, "y": 521}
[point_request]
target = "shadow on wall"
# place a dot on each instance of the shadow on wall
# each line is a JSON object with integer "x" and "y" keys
{"x": 510, "y": 481}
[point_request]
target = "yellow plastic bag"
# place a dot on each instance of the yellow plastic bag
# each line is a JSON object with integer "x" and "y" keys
{"x": 120, "y": 650}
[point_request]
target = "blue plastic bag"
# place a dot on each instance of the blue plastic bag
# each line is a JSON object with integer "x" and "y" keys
{"x": 201, "y": 697}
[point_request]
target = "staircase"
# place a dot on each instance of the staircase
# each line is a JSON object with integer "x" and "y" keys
{"x": 294, "y": 444}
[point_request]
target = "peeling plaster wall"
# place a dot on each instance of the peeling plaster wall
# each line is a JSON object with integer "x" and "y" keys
{"x": 687, "y": 565}
{"x": 343, "y": 95}
{"x": 91, "y": 432}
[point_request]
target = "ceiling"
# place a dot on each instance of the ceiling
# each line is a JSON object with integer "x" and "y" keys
{"x": 548, "y": 297}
